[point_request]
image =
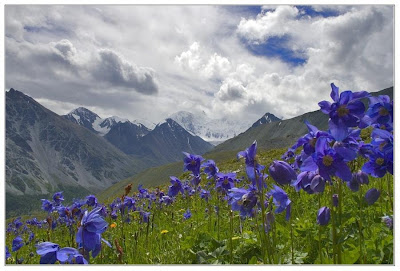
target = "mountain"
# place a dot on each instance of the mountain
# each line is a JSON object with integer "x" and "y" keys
{"x": 126, "y": 136}
{"x": 214, "y": 131}
{"x": 94, "y": 123}
{"x": 267, "y": 118}
{"x": 168, "y": 140}
{"x": 281, "y": 134}
{"x": 45, "y": 152}
{"x": 83, "y": 117}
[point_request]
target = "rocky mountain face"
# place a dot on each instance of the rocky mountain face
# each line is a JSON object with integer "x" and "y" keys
{"x": 163, "y": 144}
{"x": 267, "y": 118}
{"x": 168, "y": 140}
{"x": 284, "y": 133}
{"x": 46, "y": 152}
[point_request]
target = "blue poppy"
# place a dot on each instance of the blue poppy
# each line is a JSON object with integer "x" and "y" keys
{"x": 210, "y": 168}
{"x": 192, "y": 163}
{"x": 281, "y": 200}
{"x": 176, "y": 187}
{"x": 47, "y": 205}
{"x": 8, "y": 254}
{"x": 372, "y": 195}
{"x": 225, "y": 181}
{"x": 47, "y": 252}
{"x": 187, "y": 214}
{"x": 91, "y": 200}
{"x": 282, "y": 172}
{"x": 58, "y": 197}
{"x": 243, "y": 200}
{"x": 252, "y": 167}
{"x": 323, "y": 216}
{"x": 89, "y": 233}
{"x": 17, "y": 243}
{"x": 71, "y": 256}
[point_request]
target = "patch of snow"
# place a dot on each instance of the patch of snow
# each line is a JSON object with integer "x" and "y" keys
{"x": 102, "y": 130}
{"x": 76, "y": 117}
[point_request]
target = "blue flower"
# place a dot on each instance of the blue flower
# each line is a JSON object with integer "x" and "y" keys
{"x": 243, "y": 200}
{"x": 347, "y": 108}
{"x": 210, "y": 168}
{"x": 304, "y": 181}
{"x": 346, "y": 111}
{"x": 388, "y": 220}
{"x": 327, "y": 161}
{"x": 379, "y": 163}
{"x": 252, "y": 167}
{"x": 167, "y": 200}
{"x": 91, "y": 200}
{"x": 372, "y": 196}
{"x": 187, "y": 214}
{"x": 176, "y": 187}
{"x": 17, "y": 243}
{"x": 205, "y": 194}
{"x": 71, "y": 256}
{"x": 8, "y": 254}
{"x": 47, "y": 205}
{"x": 281, "y": 200}
{"x": 47, "y": 252}
{"x": 282, "y": 172}
{"x": 192, "y": 163}
{"x": 225, "y": 181}
{"x": 317, "y": 184}
{"x": 145, "y": 216}
{"x": 323, "y": 216}
{"x": 380, "y": 109}
{"x": 89, "y": 233}
{"x": 58, "y": 197}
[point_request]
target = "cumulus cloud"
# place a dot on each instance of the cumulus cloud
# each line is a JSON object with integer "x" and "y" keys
{"x": 275, "y": 22}
{"x": 111, "y": 68}
{"x": 207, "y": 65}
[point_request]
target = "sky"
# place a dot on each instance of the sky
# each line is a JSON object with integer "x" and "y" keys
{"x": 235, "y": 62}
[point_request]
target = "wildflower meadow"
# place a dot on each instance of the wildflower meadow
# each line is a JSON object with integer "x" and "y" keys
{"x": 327, "y": 200}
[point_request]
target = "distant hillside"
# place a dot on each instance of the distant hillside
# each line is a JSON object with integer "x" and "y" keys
{"x": 283, "y": 133}
{"x": 47, "y": 153}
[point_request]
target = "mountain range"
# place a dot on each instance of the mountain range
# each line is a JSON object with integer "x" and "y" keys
{"x": 215, "y": 131}
{"x": 80, "y": 153}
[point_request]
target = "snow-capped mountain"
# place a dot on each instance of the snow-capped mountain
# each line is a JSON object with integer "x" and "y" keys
{"x": 93, "y": 122}
{"x": 214, "y": 131}
{"x": 267, "y": 118}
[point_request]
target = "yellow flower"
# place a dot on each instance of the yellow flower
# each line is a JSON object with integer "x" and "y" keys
{"x": 164, "y": 231}
{"x": 113, "y": 225}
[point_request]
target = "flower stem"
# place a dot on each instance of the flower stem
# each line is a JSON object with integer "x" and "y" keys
{"x": 319, "y": 232}
{"x": 333, "y": 227}
{"x": 389, "y": 193}
{"x": 340, "y": 195}
{"x": 360, "y": 225}
{"x": 231, "y": 236}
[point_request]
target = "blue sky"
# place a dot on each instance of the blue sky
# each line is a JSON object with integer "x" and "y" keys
{"x": 237, "y": 62}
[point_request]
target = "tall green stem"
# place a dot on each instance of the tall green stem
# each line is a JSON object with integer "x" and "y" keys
{"x": 319, "y": 232}
{"x": 333, "y": 226}
{"x": 339, "y": 246}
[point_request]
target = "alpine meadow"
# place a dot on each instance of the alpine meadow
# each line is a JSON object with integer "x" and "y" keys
{"x": 215, "y": 135}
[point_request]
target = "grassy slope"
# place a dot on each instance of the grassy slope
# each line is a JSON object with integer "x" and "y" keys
{"x": 159, "y": 176}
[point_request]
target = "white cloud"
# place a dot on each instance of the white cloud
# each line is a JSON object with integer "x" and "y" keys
{"x": 194, "y": 57}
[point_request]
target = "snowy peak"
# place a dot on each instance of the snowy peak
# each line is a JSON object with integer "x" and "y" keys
{"x": 267, "y": 118}
{"x": 83, "y": 117}
{"x": 212, "y": 130}
{"x": 93, "y": 122}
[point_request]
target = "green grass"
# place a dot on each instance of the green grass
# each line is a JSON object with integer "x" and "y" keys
{"x": 209, "y": 238}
